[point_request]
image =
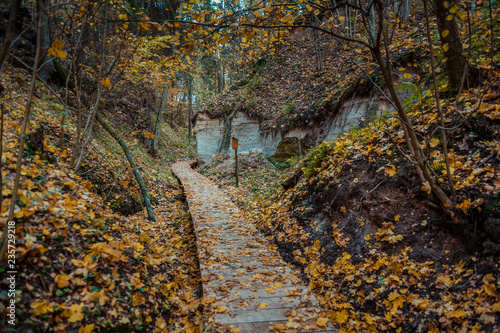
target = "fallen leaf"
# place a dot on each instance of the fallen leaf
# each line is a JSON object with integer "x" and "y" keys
{"x": 62, "y": 280}
{"x": 321, "y": 322}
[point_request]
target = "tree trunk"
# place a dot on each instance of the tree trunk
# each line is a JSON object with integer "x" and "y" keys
{"x": 220, "y": 74}
{"x": 46, "y": 65}
{"x": 450, "y": 36}
{"x": 87, "y": 132}
{"x": 9, "y": 32}
{"x": 159, "y": 116}
{"x": 411, "y": 137}
{"x": 190, "y": 106}
{"x": 438, "y": 105}
{"x": 131, "y": 161}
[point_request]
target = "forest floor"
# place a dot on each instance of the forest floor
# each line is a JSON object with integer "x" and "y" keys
{"x": 87, "y": 257}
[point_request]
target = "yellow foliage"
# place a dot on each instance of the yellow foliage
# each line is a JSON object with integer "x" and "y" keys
{"x": 322, "y": 322}
{"x": 40, "y": 307}
{"x": 62, "y": 280}
{"x": 106, "y": 82}
{"x": 56, "y": 50}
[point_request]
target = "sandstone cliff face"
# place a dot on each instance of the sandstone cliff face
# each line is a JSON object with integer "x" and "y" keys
{"x": 209, "y": 132}
{"x": 209, "y": 135}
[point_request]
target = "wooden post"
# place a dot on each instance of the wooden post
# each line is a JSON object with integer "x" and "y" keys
{"x": 235, "y": 147}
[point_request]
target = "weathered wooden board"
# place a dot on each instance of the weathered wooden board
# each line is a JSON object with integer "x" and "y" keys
{"x": 246, "y": 284}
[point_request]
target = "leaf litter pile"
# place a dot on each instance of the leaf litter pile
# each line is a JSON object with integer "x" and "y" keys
{"x": 81, "y": 266}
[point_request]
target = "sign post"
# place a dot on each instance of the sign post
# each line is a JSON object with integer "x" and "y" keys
{"x": 235, "y": 147}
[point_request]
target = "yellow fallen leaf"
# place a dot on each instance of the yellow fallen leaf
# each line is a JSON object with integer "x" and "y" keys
{"x": 207, "y": 301}
{"x": 138, "y": 299}
{"x": 390, "y": 170}
{"x": 221, "y": 309}
{"x": 106, "y": 82}
{"x": 459, "y": 313}
{"x": 464, "y": 206}
{"x": 87, "y": 329}
{"x": 76, "y": 313}
{"x": 342, "y": 316}
{"x": 279, "y": 327}
{"x": 56, "y": 50}
{"x": 321, "y": 322}
{"x": 160, "y": 323}
{"x": 263, "y": 305}
{"x": 62, "y": 280}
{"x": 124, "y": 183}
{"x": 426, "y": 187}
{"x": 40, "y": 307}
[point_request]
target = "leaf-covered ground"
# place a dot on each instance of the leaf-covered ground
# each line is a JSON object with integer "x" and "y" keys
{"x": 82, "y": 267}
{"x": 355, "y": 218}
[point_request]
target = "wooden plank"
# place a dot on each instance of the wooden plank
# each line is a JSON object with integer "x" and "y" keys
{"x": 265, "y": 327}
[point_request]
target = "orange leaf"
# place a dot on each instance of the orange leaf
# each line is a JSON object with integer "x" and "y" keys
{"x": 106, "y": 82}
{"x": 62, "y": 280}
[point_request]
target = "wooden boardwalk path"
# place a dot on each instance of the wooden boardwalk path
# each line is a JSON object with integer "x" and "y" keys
{"x": 247, "y": 287}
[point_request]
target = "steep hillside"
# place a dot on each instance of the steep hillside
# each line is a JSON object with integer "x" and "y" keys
{"x": 86, "y": 257}
{"x": 373, "y": 245}
{"x": 306, "y": 93}
{"x": 299, "y": 86}
{"x": 371, "y": 239}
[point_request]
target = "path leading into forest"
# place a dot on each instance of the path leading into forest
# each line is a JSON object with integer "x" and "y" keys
{"x": 246, "y": 284}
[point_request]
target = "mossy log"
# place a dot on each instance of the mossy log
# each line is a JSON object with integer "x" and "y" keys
{"x": 62, "y": 75}
{"x": 131, "y": 161}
